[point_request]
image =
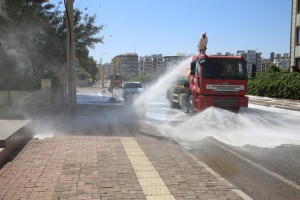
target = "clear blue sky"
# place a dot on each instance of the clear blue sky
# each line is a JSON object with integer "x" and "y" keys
{"x": 169, "y": 27}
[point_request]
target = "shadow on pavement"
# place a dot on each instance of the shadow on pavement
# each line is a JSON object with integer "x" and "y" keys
{"x": 108, "y": 120}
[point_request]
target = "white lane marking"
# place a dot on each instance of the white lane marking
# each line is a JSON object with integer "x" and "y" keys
{"x": 254, "y": 164}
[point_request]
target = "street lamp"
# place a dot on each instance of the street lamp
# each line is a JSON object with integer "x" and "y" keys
{"x": 101, "y": 71}
{"x": 101, "y": 57}
{"x": 71, "y": 87}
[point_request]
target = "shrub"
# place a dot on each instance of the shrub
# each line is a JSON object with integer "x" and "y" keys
{"x": 276, "y": 85}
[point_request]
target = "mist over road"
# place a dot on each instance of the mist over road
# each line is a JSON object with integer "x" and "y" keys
{"x": 257, "y": 149}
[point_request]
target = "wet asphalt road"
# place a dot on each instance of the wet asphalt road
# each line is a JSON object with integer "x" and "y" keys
{"x": 260, "y": 171}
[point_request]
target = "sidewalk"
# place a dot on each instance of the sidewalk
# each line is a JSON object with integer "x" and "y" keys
{"x": 125, "y": 165}
{"x": 276, "y": 103}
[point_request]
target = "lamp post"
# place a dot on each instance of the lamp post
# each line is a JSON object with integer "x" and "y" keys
{"x": 101, "y": 68}
{"x": 101, "y": 71}
{"x": 71, "y": 65}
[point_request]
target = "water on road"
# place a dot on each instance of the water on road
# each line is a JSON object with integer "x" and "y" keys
{"x": 255, "y": 125}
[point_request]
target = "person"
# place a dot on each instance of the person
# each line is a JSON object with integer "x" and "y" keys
{"x": 202, "y": 44}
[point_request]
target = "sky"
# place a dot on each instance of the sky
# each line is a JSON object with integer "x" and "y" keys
{"x": 169, "y": 27}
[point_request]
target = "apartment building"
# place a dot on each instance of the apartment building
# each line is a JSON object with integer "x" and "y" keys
{"x": 106, "y": 69}
{"x": 272, "y": 56}
{"x": 265, "y": 63}
{"x": 126, "y": 64}
{"x": 252, "y": 58}
{"x": 152, "y": 65}
{"x": 295, "y": 34}
{"x": 282, "y": 63}
{"x": 145, "y": 66}
{"x": 173, "y": 61}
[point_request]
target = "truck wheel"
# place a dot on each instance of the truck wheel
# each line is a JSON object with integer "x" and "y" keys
{"x": 190, "y": 105}
{"x": 173, "y": 104}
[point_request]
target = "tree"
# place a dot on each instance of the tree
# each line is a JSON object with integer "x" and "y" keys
{"x": 7, "y": 66}
{"x": 273, "y": 68}
{"x": 36, "y": 32}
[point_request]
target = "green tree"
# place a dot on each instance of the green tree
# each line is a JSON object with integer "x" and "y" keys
{"x": 7, "y": 66}
{"x": 273, "y": 68}
{"x": 37, "y": 31}
{"x": 276, "y": 85}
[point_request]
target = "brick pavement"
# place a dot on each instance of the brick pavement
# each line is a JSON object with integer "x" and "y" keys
{"x": 99, "y": 167}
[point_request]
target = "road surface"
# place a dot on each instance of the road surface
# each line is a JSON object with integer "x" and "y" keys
{"x": 257, "y": 150}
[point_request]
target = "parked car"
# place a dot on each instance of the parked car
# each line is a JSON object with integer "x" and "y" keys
{"x": 131, "y": 89}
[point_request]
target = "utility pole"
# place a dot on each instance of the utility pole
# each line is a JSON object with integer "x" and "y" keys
{"x": 71, "y": 65}
{"x": 101, "y": 71}
{"x": 102, "y": 74}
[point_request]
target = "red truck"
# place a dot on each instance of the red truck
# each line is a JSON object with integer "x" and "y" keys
{"x": 219, "y": 81}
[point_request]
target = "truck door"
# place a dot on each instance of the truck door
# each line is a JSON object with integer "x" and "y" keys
{"x": 197, "y": 76}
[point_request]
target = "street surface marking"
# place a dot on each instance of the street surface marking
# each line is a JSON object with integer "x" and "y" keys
{"x": 254, "y": 164}
{"x": 151, "y": 183}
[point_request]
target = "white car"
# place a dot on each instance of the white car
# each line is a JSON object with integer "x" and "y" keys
{"x": 131, "y": 89}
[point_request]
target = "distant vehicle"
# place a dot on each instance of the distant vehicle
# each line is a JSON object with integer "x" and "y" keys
{"x": 132, "y": 89}
{"x": 118, "y": 80}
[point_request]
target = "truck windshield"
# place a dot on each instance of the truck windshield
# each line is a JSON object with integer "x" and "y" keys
{"x": 224, "y": 69}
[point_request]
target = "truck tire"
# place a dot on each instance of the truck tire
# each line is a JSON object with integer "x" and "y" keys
{"x": 173, "y": 104}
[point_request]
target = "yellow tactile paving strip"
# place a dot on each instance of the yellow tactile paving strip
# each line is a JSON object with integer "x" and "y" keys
{"x": 152, "y": 184}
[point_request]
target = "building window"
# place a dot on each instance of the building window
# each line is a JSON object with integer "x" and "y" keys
{"x": 298, "y": 35}
{"x": 298, "y": 5}
{"x": 297, "y": 61}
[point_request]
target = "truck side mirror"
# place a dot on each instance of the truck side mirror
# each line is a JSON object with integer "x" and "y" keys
{"x": 193, "y": 68}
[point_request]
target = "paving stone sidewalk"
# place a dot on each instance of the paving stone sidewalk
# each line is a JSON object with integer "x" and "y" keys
{"x": 140, "y": 166}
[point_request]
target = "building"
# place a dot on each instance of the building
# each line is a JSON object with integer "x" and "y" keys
{"x": 152, "y": 65}
{"x": 285, "y": 55}
{"x": 241, "y": 52}
{"x": 106, "y": 67}
{"x": 126, "y": 64}
{"x": 282, "y": 63}
{"x": 295, "y": 34}
{"x": 228, "y": 54}
{"x": 145, "y": 65}
{"x": 264, "y": 64}
{"x": 158, "y": 64}
{"x": 252, "y": 58}
{"x": 272, "y": 56}
{"x": 172, "y": 61}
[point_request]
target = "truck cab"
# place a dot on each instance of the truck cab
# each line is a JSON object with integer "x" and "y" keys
{"x": 219, "y": 81}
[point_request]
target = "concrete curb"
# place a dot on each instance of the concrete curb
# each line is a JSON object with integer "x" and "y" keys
{"x": 13, "y": 138}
